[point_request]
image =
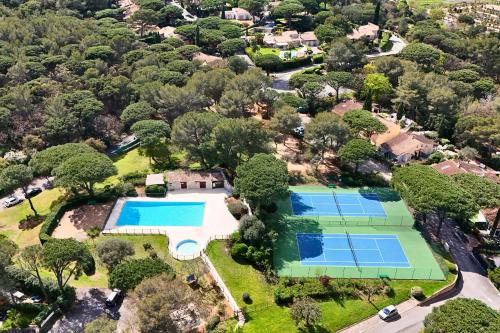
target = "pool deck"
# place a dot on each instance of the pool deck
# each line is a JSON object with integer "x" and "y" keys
{"x": 217, "y": 220}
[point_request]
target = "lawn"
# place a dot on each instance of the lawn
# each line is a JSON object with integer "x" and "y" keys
{"x": 159, "y": 244}
{"x": 127, "y": 163}
{"x": 10, "y": 217}
{"x": 424, "y": 3}
{"x": 263, "y": 312}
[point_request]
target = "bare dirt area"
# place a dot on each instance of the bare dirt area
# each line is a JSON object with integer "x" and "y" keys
{"x": 76, "y": 222}
{"x": 393, "y": 130}
{"x": 292, "y": 153}
{"x": 129, "y": 6}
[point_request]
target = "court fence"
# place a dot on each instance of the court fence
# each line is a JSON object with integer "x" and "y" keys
{"x": 352, "y": 221}
{"x": 364, "y": 272}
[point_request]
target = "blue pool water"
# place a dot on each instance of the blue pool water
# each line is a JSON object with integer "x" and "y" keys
{"x": 187, "y": 247}
{"x": 161, "y": 214}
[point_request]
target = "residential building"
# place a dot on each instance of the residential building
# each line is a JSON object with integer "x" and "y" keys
{"x": 291, "y": 38}
{"x": 239, "y": 14}
{"x": 209, "y": 60}
{"x": 369, "y": 30}
{"x": 185, "y": 179}
{"x": 348, "y": 105}
{"x": 308, "y": 38}
{"x": 407, "y": 146}
{"x": 452, "y": 167}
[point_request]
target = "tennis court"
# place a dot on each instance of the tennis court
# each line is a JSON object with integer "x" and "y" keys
{"x": 350, "y": 250}
{"x": 332, "y": 204}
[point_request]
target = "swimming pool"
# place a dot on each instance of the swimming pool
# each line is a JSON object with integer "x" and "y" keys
{"x": 161, "y": 214}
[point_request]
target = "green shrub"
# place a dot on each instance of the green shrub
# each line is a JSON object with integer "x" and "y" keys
{"x": 155, "y": 190}
{"x": 138, "y": 178}
{"x": 128, "y": 274}
{"x": 213, "y": 322}
{"x": 494, "y": 276}
{"x": 237, "y": 209}
{"x": 246, "y": 298}
{"x": 417, "y": 292}
{"x": 318, "y": 58}
{"x": 239, "y": 251}
{"x": 452, "y": 268}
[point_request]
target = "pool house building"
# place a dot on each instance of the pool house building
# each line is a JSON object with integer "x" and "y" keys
{"x": 186, "y": 179}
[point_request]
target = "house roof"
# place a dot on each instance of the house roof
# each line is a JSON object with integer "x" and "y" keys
{"x": 452, "y": 167}
{"x": 194, "y": 176}
{"x": 208, "y": 59}
{"x": 155, "y": 179}
{"x": 406, "y": 143}
{"x": 240, "y": 11}
{"x": 348, "y": 105}
{"x": 369, "y": 30}
{"x": 308, "y": 36}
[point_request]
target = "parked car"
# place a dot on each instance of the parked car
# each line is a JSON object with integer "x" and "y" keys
{"x": 36, "y": 299}
{"x": 33, "y": 191}
{"x": 12, "y": 201}
{"x": 48, "y": 185}
{"x": 113, "y": 298}
{"x": 388, "y": 312}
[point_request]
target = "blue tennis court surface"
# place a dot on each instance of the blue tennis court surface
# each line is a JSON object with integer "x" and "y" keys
{"x": 325, "y": 204}
{"x": 365, "y": 251}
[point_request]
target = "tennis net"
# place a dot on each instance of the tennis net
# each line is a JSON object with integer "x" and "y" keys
{"x": 338, "y": 207}
{"x": 352, "y": 249}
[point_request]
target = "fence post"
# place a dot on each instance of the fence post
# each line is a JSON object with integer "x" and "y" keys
{"x": 396, "y": 273}
{"x": 430, "y": 274}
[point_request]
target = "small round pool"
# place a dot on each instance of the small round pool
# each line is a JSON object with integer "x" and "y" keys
{"x": 187, "y": 247}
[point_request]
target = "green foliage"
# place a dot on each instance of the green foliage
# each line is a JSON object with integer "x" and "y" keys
{"x": 231, "y": 46}
{"x": 326, "y": 131}
{"x": 428, "y": 191}
{"x": 84, "y": 171}
{"x": 239, "y": 251}
{"x": 262, "y": 180}
{"x": 47, "y": 160}
{"x": 423, "y": 54}
{"x": 192, "y": 131}
{"x": 462, "y": 315}
{"x": 268, "y": 62}
{"x": 356, "y": 151}
{"x": 237, "y": 209}
{"x": 101, "y": 324}
{"x": 417, "y": 293}
{"x": 285, "y": 120}
{"x": 464, "y": 75}
{"x": 364, "y": 123}
{"x": 237, "y": 64}
{"x": 137, "y": 111}
{"x": 378, "y": 86}
{"x": 66, "y": 258}
{"x": 213, "y": 322}
{"x": 345, "y": 55}
{"x": 305, "y": 310}
{"x": 486, "y": 193}
{"x": 287, "y": 9}
{"x": 494, "y": 276}
{"x": 128, "y": 274}
{"x": 113, "y": 251}
{"x": 102, "y": 52}
{"x": 252, "y": 229}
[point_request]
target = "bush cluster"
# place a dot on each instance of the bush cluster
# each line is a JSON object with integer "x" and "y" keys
{"x": 321, "y": 288}
{"x": 137, "y": 178}
{"x": 258, "y": 256}
{"x": 155, "y": 190}
{"x": 128, "y": 274}
{"x": 237, "y": 209}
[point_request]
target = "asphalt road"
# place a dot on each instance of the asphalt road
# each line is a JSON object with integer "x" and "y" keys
{"x": 37, "y": 182}
{"x": 473, "y": 284}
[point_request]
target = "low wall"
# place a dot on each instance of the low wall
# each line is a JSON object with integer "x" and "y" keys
{"x": 443, "y": 292}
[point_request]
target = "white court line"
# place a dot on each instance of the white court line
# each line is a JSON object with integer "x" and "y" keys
{"x": 379, "y": 252}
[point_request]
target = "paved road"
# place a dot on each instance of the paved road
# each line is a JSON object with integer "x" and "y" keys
{"x": 37, "y": 182}
{"x": 397, "y": 45}
{"x": 473, "y": 284}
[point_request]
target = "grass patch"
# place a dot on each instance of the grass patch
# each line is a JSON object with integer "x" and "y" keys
{"x": 263, "y": 312}
{"x": 10, "y": 217}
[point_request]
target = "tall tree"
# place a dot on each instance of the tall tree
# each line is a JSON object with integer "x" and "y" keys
{"x": 326, "y": 131}
{"x": 84, "y": 171}
{"x": 287, "y": 9}
{"x": 145, "y": 17}
{"x": 338, "y": 80}
{"x": 17, "y": 176}
{"x": 378, "y": 87}
{"x": 67, "y": 258}
{"x": 430, "y": 192}
{"x": 236, "y": 140}
{"x": 285, "y": 120}
{"x": 345, "y": 55}
{"x": 462, "y": 315}
{"x": 262, "y": 180}
{"x": 154, "y": 139}
{"x": 31, "y": 260}
{"x": 310, "y": 93}
{"x": 305, "y": 311}
{"x": 364, "y": 123}
{"x": 356, "y": 151}
{"x": 486, "y": 193}
{"x": 192, "y": 131}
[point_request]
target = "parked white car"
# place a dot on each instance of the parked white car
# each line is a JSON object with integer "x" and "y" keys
{"x": 12, "y": 201}
{"x": 388, "y": 312}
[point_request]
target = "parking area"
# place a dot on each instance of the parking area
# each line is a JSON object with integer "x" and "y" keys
{"x": 89, "y": 305}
